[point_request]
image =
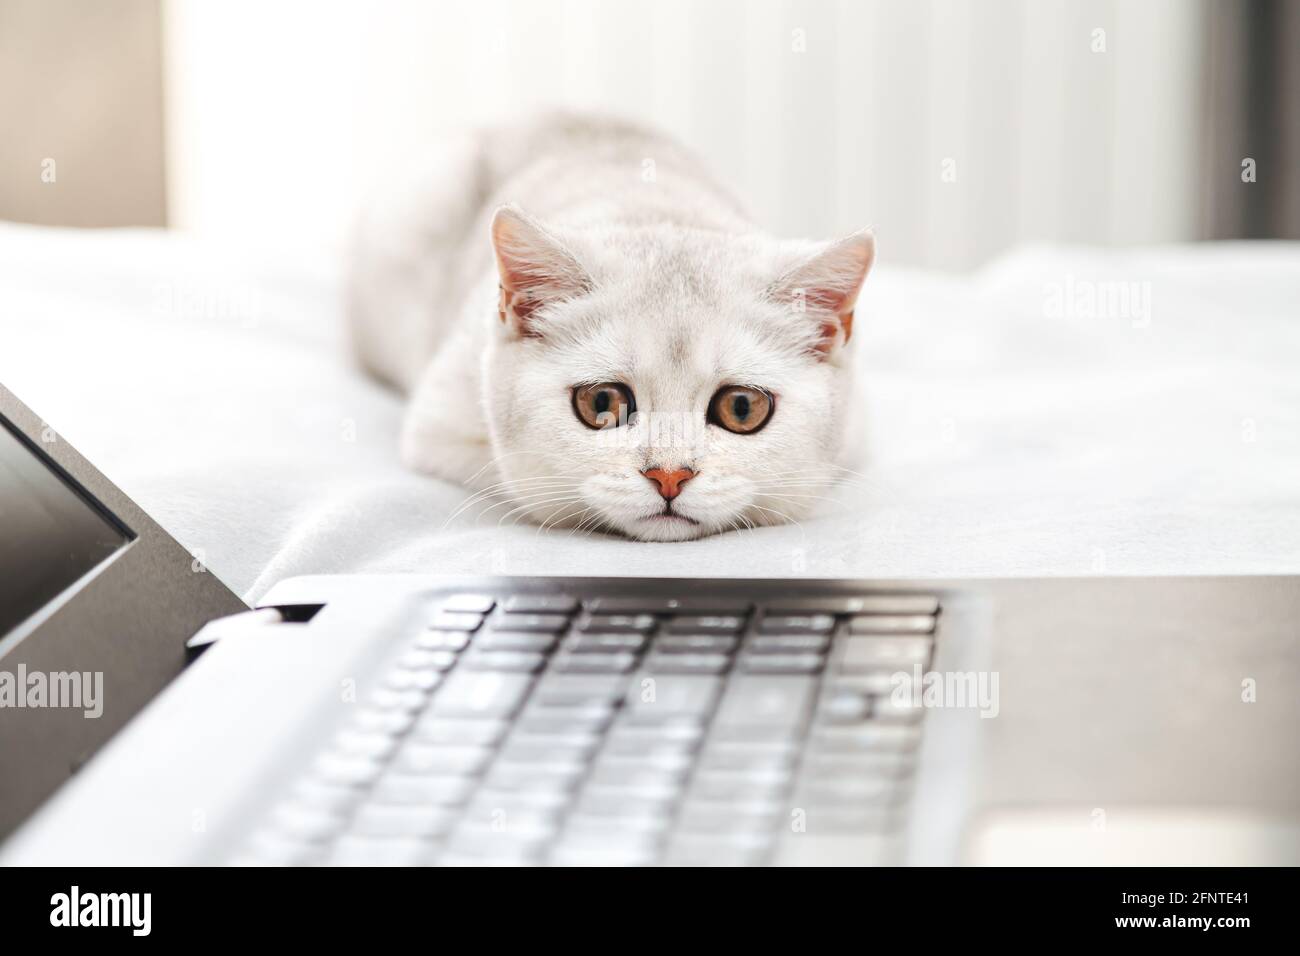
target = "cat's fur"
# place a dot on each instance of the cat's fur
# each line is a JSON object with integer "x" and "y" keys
{"x": 617, "y": 260}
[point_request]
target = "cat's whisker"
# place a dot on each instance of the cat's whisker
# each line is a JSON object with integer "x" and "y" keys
{"x": 522, "y": 500}
{"x": 528, "y": 509}
{"x": 589, "y": 524}
{"x": 507, "y": 493}
{"x": 795, "y": 497}
{"x": 555, "y": 519}
{"x": 497, "y": 459}
{"x": 822, "y": 465}
{"x": 785, "y": 518}
{"x": 561, "y": 490}
{"x": 799, "y": 483}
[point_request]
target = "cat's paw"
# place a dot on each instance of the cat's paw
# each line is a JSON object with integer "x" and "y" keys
{"x": 434, "y": 451}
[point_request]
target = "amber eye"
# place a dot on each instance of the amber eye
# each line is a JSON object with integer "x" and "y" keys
{"x": 741, "y": 409}
{"x": 607, "y": 405}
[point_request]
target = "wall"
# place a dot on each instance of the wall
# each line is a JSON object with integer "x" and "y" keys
{"x": 81, "y": 141}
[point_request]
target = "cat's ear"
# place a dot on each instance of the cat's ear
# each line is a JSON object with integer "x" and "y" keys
{"x": 826, "y": 287}
{"x": 535, "y": 269}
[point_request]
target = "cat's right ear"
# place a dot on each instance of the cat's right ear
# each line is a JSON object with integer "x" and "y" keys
{"x": 535, "y": 269}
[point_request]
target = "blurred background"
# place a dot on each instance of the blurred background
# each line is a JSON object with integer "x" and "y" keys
{"x": 957, "y": 129}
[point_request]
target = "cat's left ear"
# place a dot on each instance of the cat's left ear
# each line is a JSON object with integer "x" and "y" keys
{"x": 535, "y": 269}
{"x": 826, "y": 287}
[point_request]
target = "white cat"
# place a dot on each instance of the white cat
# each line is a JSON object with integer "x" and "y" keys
{"x": 593, "y": 334}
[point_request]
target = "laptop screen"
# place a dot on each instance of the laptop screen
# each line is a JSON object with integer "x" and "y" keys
{"x": 51, "y": 532}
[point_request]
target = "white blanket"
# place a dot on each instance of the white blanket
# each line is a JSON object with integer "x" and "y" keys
{"x": 1016, "y": 429}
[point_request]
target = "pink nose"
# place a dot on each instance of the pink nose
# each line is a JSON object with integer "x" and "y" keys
{"x": 669, "y": 482}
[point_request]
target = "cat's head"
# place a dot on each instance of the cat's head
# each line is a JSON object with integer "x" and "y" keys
{"x": 666, "y": 383}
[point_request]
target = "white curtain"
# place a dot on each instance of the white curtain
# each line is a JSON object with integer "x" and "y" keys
{"x": 956, "y": 129}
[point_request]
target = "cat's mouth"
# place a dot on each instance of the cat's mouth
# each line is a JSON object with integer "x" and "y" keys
{"x": 669, "y": 516}
{"x": 668, "y": 521}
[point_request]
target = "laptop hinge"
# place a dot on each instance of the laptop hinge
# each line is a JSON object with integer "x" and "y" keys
{"x": 241, "y": 623}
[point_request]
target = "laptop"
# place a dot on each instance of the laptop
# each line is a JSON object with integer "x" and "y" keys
{"x": 148, "y": 716}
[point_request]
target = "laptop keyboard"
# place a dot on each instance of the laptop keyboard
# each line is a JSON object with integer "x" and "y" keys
{"x": 548, "y": 729}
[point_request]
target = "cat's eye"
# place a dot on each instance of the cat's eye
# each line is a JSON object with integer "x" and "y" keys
{"x": 741, "y": 409}
{"x": 607, "y": 405}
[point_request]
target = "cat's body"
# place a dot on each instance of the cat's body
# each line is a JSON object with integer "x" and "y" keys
{"x": 624, "y": 280}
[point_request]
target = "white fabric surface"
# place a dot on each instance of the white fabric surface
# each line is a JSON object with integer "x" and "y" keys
{"x": 214, "y": 387}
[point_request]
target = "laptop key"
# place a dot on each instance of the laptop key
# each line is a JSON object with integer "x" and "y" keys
{"x": 616, "y": 663}
{"x": 761, "y": 700}
{"x": 892, "y": 624}
{"x": 872, "y": 682}
{"x": 509, "y": 819}
{"x": 797, "y": 624}
{"x": 391, "y": 698}
{"x": 884, "y": 653}
{"x": 303, "y": 822}
{"x": 412, "y": 680}
{"x": 655, "y": 605}
{"x": 481, "y": 694}
{"x": 863, "y": 604}
{"x": 346, "y": 770}
{"x": 374, "y": 720}
{"x": 735, "y": 787}
{"x": 310, "y": 792}
{"x": 870, "y": 736}
{"x": 696, "y": 643}
{"x": 548, "y": 755}
{"x": 472, "y": 603}
{"x": 434, "y": 640}
{"x": 379, "y": 851}
{"x": 544, "y": 623}
{"x": 592, "y": 851}
{"x": 782, "y": 663}
{"x": 422, "y": 789}
{"x": 706, "y": 624}
{"x": 426, "y": 660}
{"x": 521, "y": 662}
{"x": 522, "y": 799}
{"x": 668, "y": 696}
{"x": 577, "y": 689}
{"x": 365, "y": 744}
{"x": 392, "y": 820}
{"x": 686, "y": 729}
{"x": 539, "y": 778}
{"x": 515, "y": 641}
{"x": 849, "y": 791}
{"x": 573, "y": 738}
{"x": 603, "y": 643}
{"x": 647, "y": 785}
{"x": 660, "y": 759}
{"x": 853, "y": 819}
{"x": 433, "y": 728}
{"x": 270, "y": 848}
{"x": 618, "y": 623}
{"x": 541, "y": 717}
{"x": 886, "y": 709}
{"x": 691, "y": 849}
{"x": 788, "y": 644}
{"x": 820, "y": 765}
{"x": 687, "y": 663}
{"x": 755, "y": 816}
{"x": 463, "y": 759}
{"x": 455, "y": 621}
{"x": 540, "y": 604}
{"x": 740, "y": 761}
{"x": 631, "y": 747}
{"x": 844, "y": 706}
